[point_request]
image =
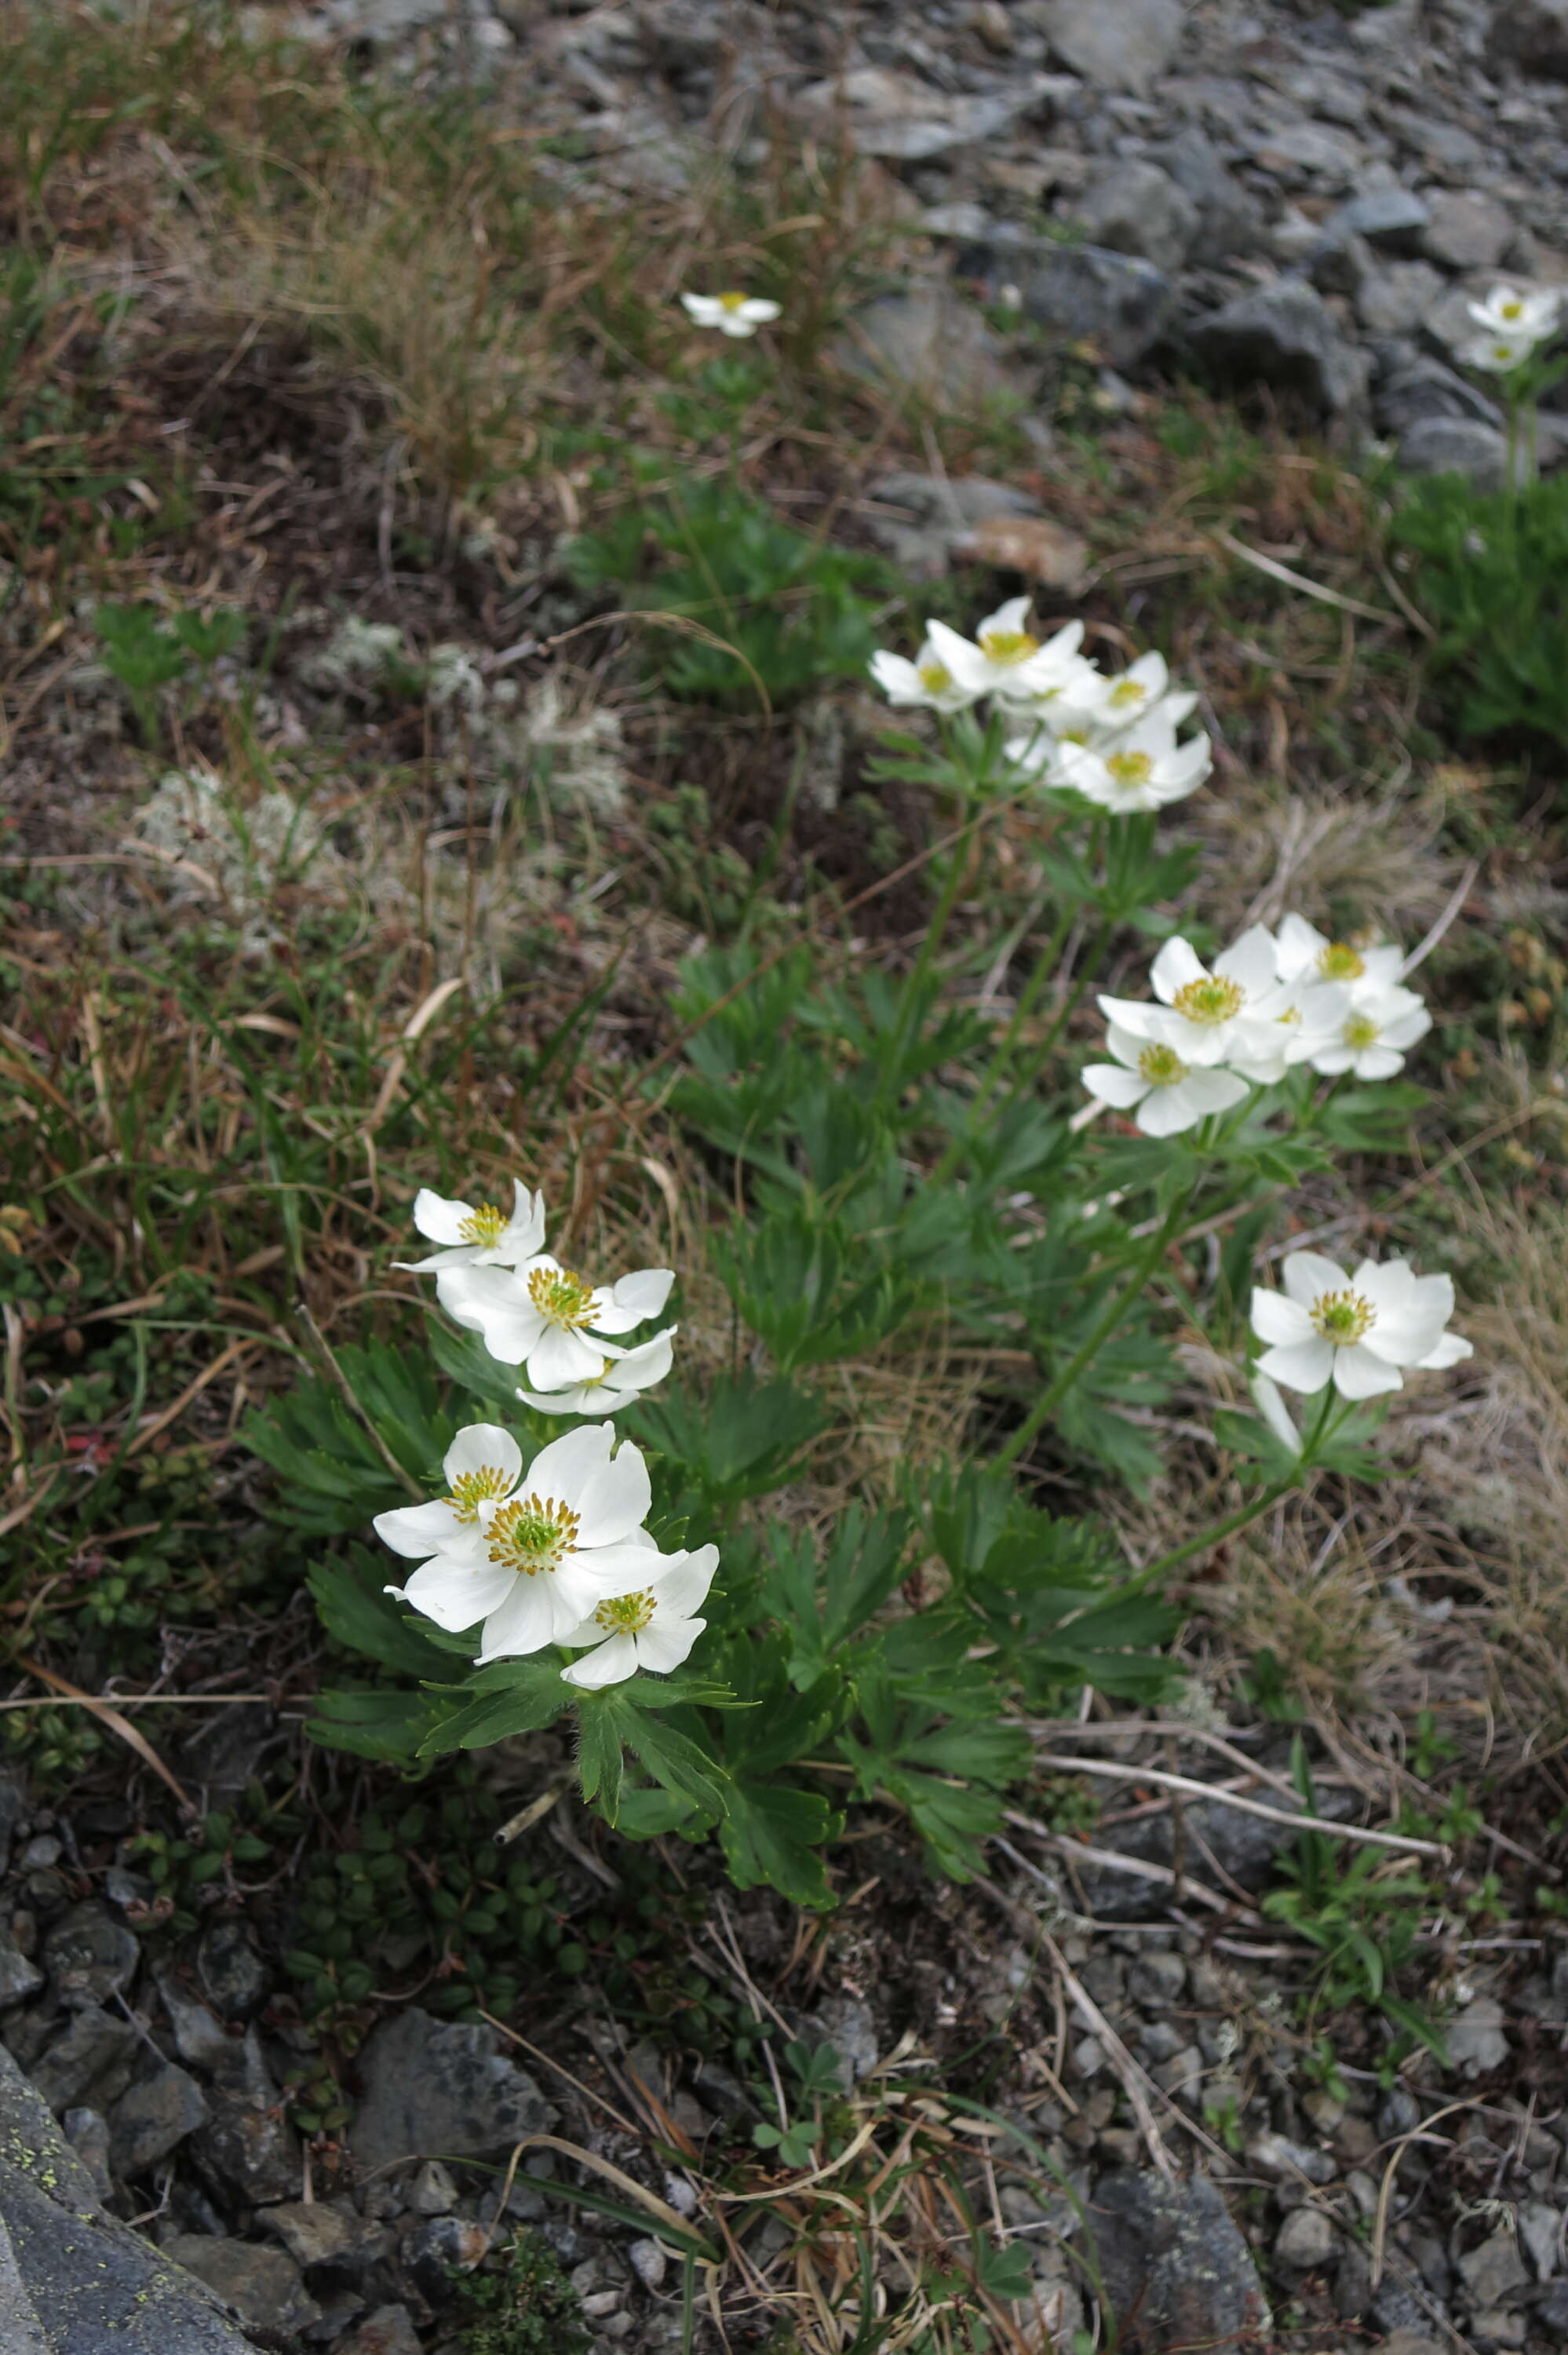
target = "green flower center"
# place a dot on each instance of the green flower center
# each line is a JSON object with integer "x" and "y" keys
{"x": 471, "y": 1490}
{"x": 935, "y": 678}
{"x": 1126, "y": 691}
{"x": 561, "y": 1296}
{"x": 1130, "y": 768}
{"x": 1359, "y": 1031}
{"x": 1008, "y": 646}
{"x": 1161, "y": 1066}
{"x": 1210, "y": 1000}
{"x": 1503, "y": 352}
{"x": 486, "y": 1225}
{"x": 531, "y": 1534}
{"x": 1340, "y": 962}
{"x": 734, "y": 301}
{"x": 626, "y": 1615}
{"x": 1342, "y": 1317}
{"x": 1514, "y": 310}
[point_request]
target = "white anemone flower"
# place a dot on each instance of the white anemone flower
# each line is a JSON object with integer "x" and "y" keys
{"x": 653, "y": 1627}
{"x": 1200, "y": 1012}
{"x": 477, "y": 1234}
{"x": 1142, "y": 768}
{"x": 1362, "y": 1332}
{"x": 483, "y": 1465}
{"x": 1371, "y": 1038}
{"x": 1290, "y": 1024}
{"x": 1266, "y": 1398}
{"x": 926, "y": 684}
{"x": 627, "y": 1374}
{"x": 1303, "y": 950}
{"x": 1498, "y": 354}
{"x": 1150, "y": 1080}
{"x": 540, "y": 1563}
{"x": 732, "y": 315}
{"x": 1514, "y": 316}
{"x": 547, "y": 1319}
{"x": 1008, "y": 661}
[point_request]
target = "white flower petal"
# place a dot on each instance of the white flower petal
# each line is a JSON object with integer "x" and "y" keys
{"x": 1113, "y": 1085}
{"x": 458, "y": 1595}
{"x": 1306, "y": 1275}
{"x": 680, "y": 1588}
{"x": 665, "y": 1642}
{"x": 524, "y": 1621}
{"x": 417, "y": 1531}
{"x": 610, "y": 1664}
{"x": 1276, "y": 1318}
{"x": 483, "y": 1447}
{"x": 560, "y": 1356}
{"x": 1359, "y": 1375}
{"x": 439, "y": 1220}
{"x": 1302, "y": 1366}
{"x": 1177, "y": 965}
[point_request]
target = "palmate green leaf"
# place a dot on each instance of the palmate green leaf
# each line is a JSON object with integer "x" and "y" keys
{"x": 387, "y": 1726}
{"x": 627, "y": 1717}
{"x": 530, "y": 1694}
{"x": 740, "y": 1442}
{"x": 821, "y": 1601}
{"x": 774, "y": 1724}
{"x": 353, "y": 1607}
{"x": 773, "y": 1836}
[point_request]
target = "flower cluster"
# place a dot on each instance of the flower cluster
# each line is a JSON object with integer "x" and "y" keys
{"x": 1512, "y": 326}
{"x": 558, "y": 1553}
{"x": 1115, "y": 741}
{"x": 1269, "y": 1002}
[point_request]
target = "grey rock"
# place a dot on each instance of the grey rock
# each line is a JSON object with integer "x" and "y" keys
{"x": 1182, "y": 2074}
{"x": 1158, "y": 1978}
{"x": 1412, "y": 2342}
{"x": 11, "y": 1809}
{"x": 1540, "y": 2233}
{"x": 1467, "y": 231}
{"x": 1420, "y": 387}
{"x": 917, "y": 517}
{"x": 384, "y": 20}
{"x": 1532, "y": 34}
{"x": 1125, "y": 48}
{"x": 1552, "y": 2314}
{"x": 87, "y": 2135}
{"x": 1087, "y": 294}
{"x": 433, "y": 2193}
{"x": 1497, "y": 2328}
{"x": 247, "y": 2141}
{"x": 1305, "y": 2241}
{"x": 19, "y": 1976}
{"x": 160, "y": 2106}
{"x": 74, "y": 2280}
{"x": 1285, "y": 334}
{"x": 260, "y": 2285}
{"x": 1398, "y": 2113}
{"x": 1395, "y": 2308}
{"x": 1158, "y": 2041}
{"x": 1475, "y": 2039}
{"x": 440, "y": 2247}
{"x": 845, "y": 2022}
{"x": 1137, "y": 208}
{"x": 1352, "y": 2283}
{"x": 1492, "y": 2272}
{"x": 1177, "y": 2272}
{"x": 1277, "y": 2154}
{"x": 648, "y": 2261}
{"x": 1391, "y": 220}
{"x": 200, "y": 2037}
{"x": 233, "y": 1975}
{"x": 1230, "y": 219}
{"x": 1456, "y": 445}
{"x": 388, "y": 2332}
{"x": 898, "y": 119}
{"x": 1310, "y": 154}
{"x": 433, "y": 2088}
{"x": 89, "y": 2060}
{"x": 931, "y": 343}
{"x": 89, "y": 1956}
{"x": 315, "y": 2231}
{"x": 1396, "y": 297}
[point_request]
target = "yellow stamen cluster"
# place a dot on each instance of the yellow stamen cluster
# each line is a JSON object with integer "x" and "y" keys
{"x": 1210, "y": 1000}
{"x": 471, "y": 1490}
{"x": 1008, "y": 645}
{"x": 1360, "y": 1032}
{"x": 734, "y": 301}
{"x": 626, "y": 1615}
{"x": 1161, "y": 1066}
{"x": 531, "y": 1534}
{"x": 561, "y": 1296}
{"x": 1342, "y": 1317}
{"x": 1125, "y": 692}
{"x": 1339, "y": 962}
{"x": 934, "y": 678}
{"x": 1130, "y": 768}
{"x": 486, "y": 1225}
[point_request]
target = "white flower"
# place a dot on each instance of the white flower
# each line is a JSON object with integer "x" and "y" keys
{"x": 1201, "y": 1012}
{"x": 652, "y": 1627}
{"x": 1357, "y": 1332}
{"x": 477, "y": 1234}
{"x": 534, "y": 1566}
{"x": 732, "y": 315}
{"x": 483, "y": 1465}
{"x": 547, "y": 1319}
{"x": 627, "y": 1375}
{"x": 1009, "y": 661}
{"x": 923, "y": 683}
{"x": 1289, "y": 1024}
{"x": 1498, "y": 354}
{"x": 1150, "y": 1080}
{"x": 1142, "y": 768}
{"x": 1371, "y": 1037}
{"x": 1266, "y": 1397}
{"x": 1303, "y": 950}
{"x": 1514, "y": 317}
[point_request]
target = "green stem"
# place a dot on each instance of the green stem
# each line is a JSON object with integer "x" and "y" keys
{"x": 913, "y": 988}
{"x": 1063, "y": 1015}
{"x": 1244, "y": 1514}
{"x": 1143, "y": 1268}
